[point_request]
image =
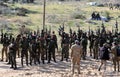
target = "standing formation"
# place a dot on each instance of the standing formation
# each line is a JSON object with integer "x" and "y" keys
{"x": 36, "y": 47}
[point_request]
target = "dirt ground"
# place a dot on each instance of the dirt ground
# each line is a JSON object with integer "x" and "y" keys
{"x": 89, "y": 68}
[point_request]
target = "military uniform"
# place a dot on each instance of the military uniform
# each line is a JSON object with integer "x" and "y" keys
{"x": 84, "y": 43}
{"x": 18, "y": 39}
{"x": 52, "y": 46}
{"x": 96, "y": 48}
{"x": 65, "y": 48}
{"x": 38, "y": 51}
{"x": 91, "y": 39}
{"x": 47, "y": 44}
{"x": 24, "y": 51}
{"x": 33, "y": 52}
{"x": 5, "y": 47}
{"x": 42, "y": 49}
{"x": 12, "y": 55}
{"x": 51, "y": 50}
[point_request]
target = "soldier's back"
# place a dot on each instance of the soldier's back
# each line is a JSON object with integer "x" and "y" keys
{"x": 76, "y": 49}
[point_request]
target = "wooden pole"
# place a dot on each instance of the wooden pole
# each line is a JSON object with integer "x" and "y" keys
{"x": 44, "y": 7}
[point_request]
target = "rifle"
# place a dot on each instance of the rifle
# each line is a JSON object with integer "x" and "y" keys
{"x": 63, "y": 26}
{"x": 38, "y": 31}
{"x": 42, "y": 33}
{"x": 78, "y": 28}
{"x": 1, "y": 32}
{"x": 112, "y": 29}
{"x": 98, "y": 30}
{"x": 103, "y": 28}
{"x": 116, "y": 26}
{"x": 46, "y": 30}
{"x": 50, "y": 29}
{"x": 70, "y": 30}
{"x": 89, "y": 31}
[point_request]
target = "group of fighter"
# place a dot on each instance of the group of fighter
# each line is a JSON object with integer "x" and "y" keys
{"x": 33, "y": 46}
{"x": 40, "y": 46}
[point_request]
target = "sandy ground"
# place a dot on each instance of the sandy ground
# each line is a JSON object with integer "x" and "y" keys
{"x": 89, "y": 68}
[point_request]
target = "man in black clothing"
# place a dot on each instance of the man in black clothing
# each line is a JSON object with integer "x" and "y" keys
{"x": 84, "y": 43}
{"x": 93, "y": 16}
{"x": 12, "y": 54}
{"x": 91, "y": 39}
{"x": 6, "y": 42}
{"x": 98, "y": 16}
{"x": 48, "y": 36}
{"x": 24, "y": 52}
{"x": 51, "y": 49}
{"x": 65, "y": 47}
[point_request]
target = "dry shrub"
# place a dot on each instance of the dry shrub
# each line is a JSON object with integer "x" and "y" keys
{"x": 78, "y": 14}
{"x": 56, "y": 18}
{"x": 22, "y": 21}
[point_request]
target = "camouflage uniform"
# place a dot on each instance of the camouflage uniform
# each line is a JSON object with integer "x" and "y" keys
{"x": 47, "y": 44}
{"x": 91, "y": 39}
{"x": 96, "y": 48}
{"x": 84, "y": 43}
{"x": 34, "y": 54}
{"x": 51, "y": 50}
{"x": 65, "y": 48}
{"x": 42, "y": 49}
{"x": 12, "y": 54}
{"x": 5, "y": 47}
{"x": 24, "y": 52}
{"x": 18, "y": 39}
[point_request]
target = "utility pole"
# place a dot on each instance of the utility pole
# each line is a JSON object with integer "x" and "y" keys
{"x": 44, "y": 7}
